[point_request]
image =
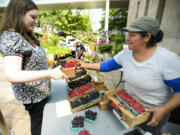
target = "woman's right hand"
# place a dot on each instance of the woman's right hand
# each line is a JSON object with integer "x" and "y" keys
{"x": 56, "y": 73}
{"x": 79, "y": 64}
{"x": 89, "y": 66}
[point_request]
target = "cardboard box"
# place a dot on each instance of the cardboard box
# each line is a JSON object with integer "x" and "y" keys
{"x": 84, "y": 94}
{"x": 69, "y": 72}
{"x": 86, "y": 105}
{"x": 93, "y": 102}
{"x": 104, "y": 105}
{"x": 100, "y": 87}
{"x": 126, "y": 115}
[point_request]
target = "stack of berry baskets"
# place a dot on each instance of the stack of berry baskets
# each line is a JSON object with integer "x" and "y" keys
{"x": 84, "y": 90}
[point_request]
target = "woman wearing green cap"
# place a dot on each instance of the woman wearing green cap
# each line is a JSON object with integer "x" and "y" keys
{"x": 151, "y": 73}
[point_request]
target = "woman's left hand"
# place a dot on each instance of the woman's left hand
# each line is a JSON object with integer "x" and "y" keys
{"x": 158, "y": 114}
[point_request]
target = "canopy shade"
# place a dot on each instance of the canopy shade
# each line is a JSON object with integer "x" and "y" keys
{"x": 63, "y": 4}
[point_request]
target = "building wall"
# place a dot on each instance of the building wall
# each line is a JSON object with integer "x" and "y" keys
{"x": 166, "y": 12}
{"x": 170, "y": 24}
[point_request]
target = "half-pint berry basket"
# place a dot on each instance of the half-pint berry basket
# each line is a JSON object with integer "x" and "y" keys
{"x": 127, "y": 113}
{"x": 93, "y": 102}
{"x": 81, "y": 94}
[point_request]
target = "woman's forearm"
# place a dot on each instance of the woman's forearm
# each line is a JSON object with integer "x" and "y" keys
{"x": 80, "y": 53}
{"x": 77, "y": 54}
{"x": 14, "y": 73}
{"x": 95, "y": 66}
{"x": 172, "y": 103}
{"x": 23, "y": 76}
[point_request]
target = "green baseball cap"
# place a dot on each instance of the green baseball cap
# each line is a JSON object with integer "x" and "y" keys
{"x": 146, "y": 24}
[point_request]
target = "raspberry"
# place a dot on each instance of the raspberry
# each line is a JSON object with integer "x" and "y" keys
{"x": 84, "y": 132}
{"x": 131, "y": 102}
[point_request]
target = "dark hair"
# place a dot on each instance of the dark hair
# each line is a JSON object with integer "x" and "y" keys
{"x": 13, "y": 18}
{"x": 154, "y": 39}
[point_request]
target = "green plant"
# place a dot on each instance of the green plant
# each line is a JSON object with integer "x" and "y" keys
{"x": 95, "y": 59}
{"x": 117, "y": 18}
{"x": 105, "y": 48}
{"x": 54, "y": 40}
{"x": 66, "y": 20}
{"x": 117, "y": 44}
{"x": 51, "y": 44}
{"x": 91, "y": 58}
{"x": 62, "y": 38}
{"x": 87, "y": 58}
{"x": 58, "y": 51}
{"x": 118, "y": 38}
{"x": 0, "y": 54}
{"x": 117, "y": 48}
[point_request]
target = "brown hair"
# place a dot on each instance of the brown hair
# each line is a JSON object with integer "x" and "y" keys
{"x": 13, "y": 18}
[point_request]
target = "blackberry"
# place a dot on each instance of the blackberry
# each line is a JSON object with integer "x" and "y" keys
{"x": 75, "y": 104}
{"x": 77, "y": 122}
{"x": 78, "y": 83}
{"x": 85, "y": 100}
{"x": 78, "y": 74}
{"x": 90, "y": 115}
{"x": 94, "y": 95}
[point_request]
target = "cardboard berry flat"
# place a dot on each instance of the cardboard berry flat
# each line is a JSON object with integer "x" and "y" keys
{"x": 69, "y": 72}
{"x": 126, "y": 114}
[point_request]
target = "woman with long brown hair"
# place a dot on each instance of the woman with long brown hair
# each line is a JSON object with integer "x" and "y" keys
{"x": 24, "y": 60}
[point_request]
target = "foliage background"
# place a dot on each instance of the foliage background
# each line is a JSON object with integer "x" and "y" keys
{"x": 66, "y": 20}
{"x": 117, "y": 18}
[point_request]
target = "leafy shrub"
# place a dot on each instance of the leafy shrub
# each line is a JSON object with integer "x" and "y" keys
{"x": 87, "y": 58}
{"x": 117, "y": 48}
{"x": 58, "y": 51}
{"x": 54, "y": 40}
{"x": 105, "y": 48}
{"x": 95, "y": 59}
{"x": 118, "y": 38}
{"x": 91, "y": 58}
{"x": 62, "y": 38}
{"x": 51, "y": 44}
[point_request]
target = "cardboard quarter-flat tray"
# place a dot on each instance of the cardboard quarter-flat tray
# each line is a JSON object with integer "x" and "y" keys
{"x": 127, "y": 115}
{"x": 84, "y": 94}
{"x": 69, "y": 72}
{"x": 86, "y": 105}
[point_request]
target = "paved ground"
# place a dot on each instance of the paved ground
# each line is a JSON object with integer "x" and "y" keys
{"x": 15, "y": 115}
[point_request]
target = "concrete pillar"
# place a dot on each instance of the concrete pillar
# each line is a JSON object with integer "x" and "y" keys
{"x": 166, "y": 12}
{"x": 153, "y": 8}
{"x": 170, "y": 24}
{"x": 107, "y": 20}
{"x": 132, "y": 11}
{"x": 138, "y": 8}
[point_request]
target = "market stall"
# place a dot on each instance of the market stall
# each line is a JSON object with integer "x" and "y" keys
{"x": 58, "y": 116}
